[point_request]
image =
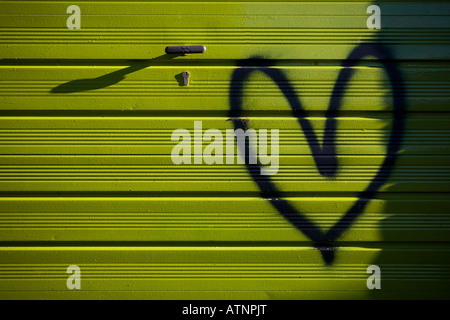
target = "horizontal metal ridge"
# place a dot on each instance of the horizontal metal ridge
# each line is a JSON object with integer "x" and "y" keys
{"x": 163, "y": 137}
{"x": 170, "y": 220}
{"x": 222, "y": 36}
{"x": 216, "y": 173}
{"x": 195, "y": 271}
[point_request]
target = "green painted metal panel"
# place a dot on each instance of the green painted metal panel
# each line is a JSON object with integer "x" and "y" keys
{"x": 87, "y": 179}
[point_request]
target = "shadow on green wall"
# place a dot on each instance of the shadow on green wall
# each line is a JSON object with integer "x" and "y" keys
{"x": 109, "y": 79}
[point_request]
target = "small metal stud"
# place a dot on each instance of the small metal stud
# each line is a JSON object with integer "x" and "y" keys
{"x": 186, "y": 78}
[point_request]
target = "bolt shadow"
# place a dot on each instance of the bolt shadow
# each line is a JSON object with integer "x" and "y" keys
{"x": 180, "y": 79}
{"x": 109, "y": 79}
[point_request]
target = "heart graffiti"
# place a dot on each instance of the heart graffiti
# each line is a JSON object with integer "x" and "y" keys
{"x": 325, "y": 157}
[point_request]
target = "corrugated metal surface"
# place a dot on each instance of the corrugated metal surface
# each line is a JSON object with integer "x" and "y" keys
{"x": 86, "y": 177}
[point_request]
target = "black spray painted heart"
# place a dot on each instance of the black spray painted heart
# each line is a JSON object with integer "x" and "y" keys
{"x": 325, "y": 157}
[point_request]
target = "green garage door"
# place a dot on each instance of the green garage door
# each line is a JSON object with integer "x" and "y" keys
{"x": 90, "y": 105}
